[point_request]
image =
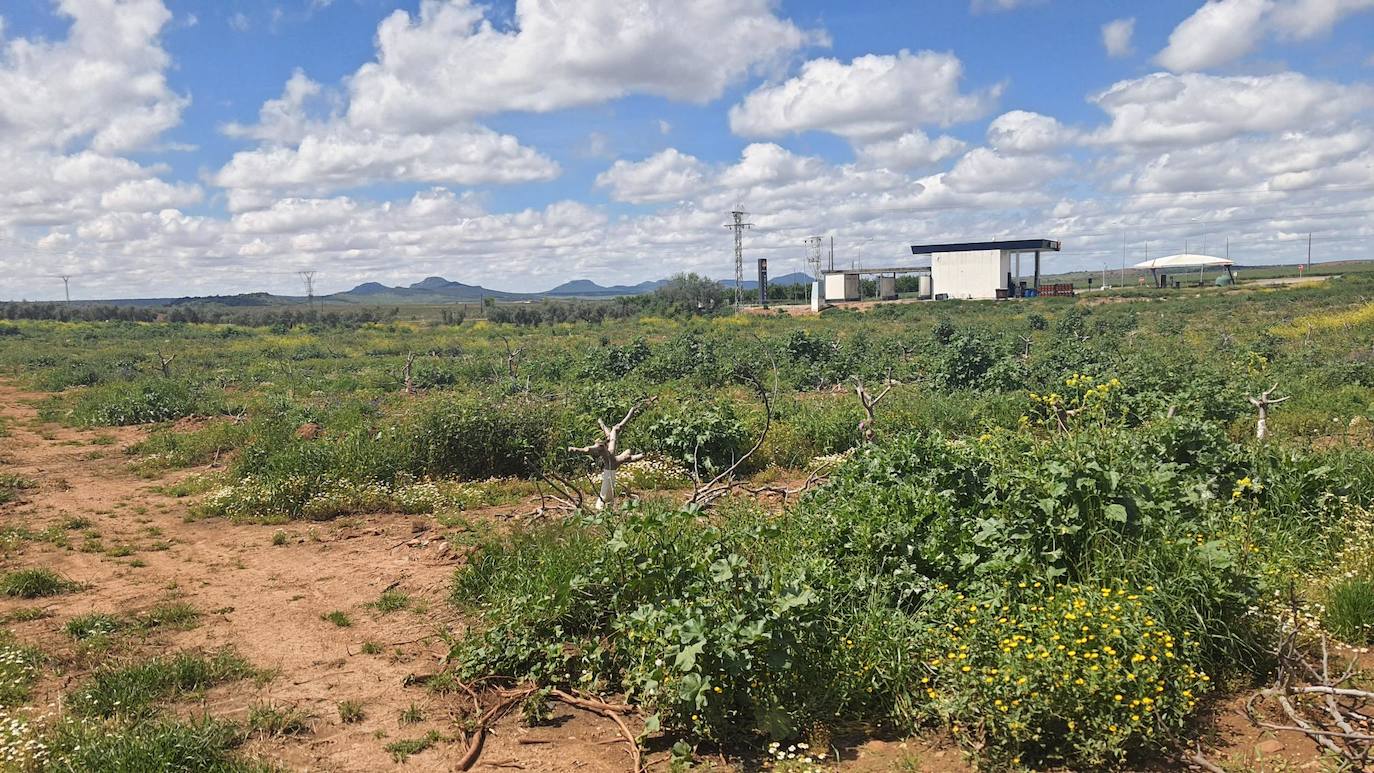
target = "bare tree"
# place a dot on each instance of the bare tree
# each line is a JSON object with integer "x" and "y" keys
{"x": 607, "y": 452}
{"x": 869, "y": 402}
{"x": 165, "y": 364}
{"x": 1262, "y": 405}
{"x": 406, "y": 372}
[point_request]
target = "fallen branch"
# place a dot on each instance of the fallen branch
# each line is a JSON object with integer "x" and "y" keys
{"x": 705, "y": 494}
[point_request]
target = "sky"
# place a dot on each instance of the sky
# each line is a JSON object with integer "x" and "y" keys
{"x": 154, "y": 148}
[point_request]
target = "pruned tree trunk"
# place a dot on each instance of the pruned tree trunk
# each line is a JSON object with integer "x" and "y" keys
{"x": 1262, "y": 405}
{"x": 607, "y": 452}
{"x": 165, "y": 363}
{"x": 410, "y": 365}
{"x": 869, "y": 402}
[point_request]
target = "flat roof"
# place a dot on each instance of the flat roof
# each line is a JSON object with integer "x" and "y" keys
{"x": 1015, "y": 245}
{"x": 879, "y": 270}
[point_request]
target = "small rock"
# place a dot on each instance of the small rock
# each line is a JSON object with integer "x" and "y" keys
{"x": 1269, "y": 746}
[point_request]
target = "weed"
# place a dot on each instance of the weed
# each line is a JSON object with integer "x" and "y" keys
{"x": 391, "y": 601}
{"x": 351, "y": 712}
{"x": 337, "y": 617}
{"x": 402, "y": 750}
{"x": 135, "y": 689}
{"x": 26, "y": 614}
{"x": 35, "y": 583}
{"x": 173, "y": 614}
{"x": 371, "y": 648}
{"x": 93, "y": 625}
{"x": 18, "y": 670}
{"x": 1350, "y": 610}
{"x": 412, "y": 714}
{"x": 279, "y": 538}
{"x": 271, "y": 721}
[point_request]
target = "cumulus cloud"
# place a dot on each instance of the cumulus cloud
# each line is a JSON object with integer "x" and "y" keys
{"x": 1020, "y": 132}
{"x": 1218, "y": 32}
{"x": 913, "y": 150}
{"x": 340, "y": 156}
{"x": 409, "y": 115}
{"x": 70, "y": 109}
{"x": 1190, "y": 109}
{"x": 102, "y": 87}
{"x": 558, "y": 55}
{"x": 1116, "y": 37}
{"x": 1222, "y": 31}
{"x": 666, "y": 176}
{"x": 871, "y": 97}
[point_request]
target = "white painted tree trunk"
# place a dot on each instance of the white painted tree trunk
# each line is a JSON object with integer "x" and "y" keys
{"x": 1262, "y": 425}
{"x": 607, "y": 495}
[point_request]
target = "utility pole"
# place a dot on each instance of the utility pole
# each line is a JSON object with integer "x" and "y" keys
{"x": 1309, "y": 252}
{"x": 309, "y": 277}
{"x": 1123, "y": 262}
{"x": 739, "y": 227}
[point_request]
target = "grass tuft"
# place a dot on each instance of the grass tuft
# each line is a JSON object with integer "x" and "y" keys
{"x": 35, "y": 583}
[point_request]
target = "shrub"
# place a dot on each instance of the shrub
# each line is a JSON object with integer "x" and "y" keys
{"x": 141, "y": 402}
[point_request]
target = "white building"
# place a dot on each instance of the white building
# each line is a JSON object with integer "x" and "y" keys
{"x": 985, "y": 269}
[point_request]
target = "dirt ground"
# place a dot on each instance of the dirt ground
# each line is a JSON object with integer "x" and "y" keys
{"x": 266, "y": 601}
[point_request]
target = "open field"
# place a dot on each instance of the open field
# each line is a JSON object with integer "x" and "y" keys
{"x": 1053, "y": 543}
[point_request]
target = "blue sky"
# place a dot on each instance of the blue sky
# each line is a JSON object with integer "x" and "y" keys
{"x": 150, "y": 149}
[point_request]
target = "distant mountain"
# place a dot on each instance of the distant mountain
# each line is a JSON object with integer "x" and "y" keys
{"x": 585, "y": 288}
{"x": 794, "y": 278}
{"x": 370, "y": 288}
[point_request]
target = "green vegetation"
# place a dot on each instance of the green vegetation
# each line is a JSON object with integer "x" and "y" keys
{"x": 35, "y": 583}
{"x": 401, "y": 750}
{"x": 135, "y": 689}
{"x": 1061, "y": 546}
{"x": 18, "y": 670}
{"x": 351, "y": 712}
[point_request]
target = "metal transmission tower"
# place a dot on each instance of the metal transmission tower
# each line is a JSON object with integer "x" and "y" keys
{"x": 739, "y": 227}
{"x": 309, "y": 277}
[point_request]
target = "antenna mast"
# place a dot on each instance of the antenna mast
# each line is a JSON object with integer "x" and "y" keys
{"x": 739, "y": 227}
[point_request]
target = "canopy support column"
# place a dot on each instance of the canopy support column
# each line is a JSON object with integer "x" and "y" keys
{"x": 1037, "y": 271}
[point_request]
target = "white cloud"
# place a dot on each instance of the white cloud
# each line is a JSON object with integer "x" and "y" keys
{"x": 1218, "y": 32}
{"x": 984, "y": 170}
{"x": 1304, "y": 19}
{"x": 913, "y": 150}
{"x": 102, "y": 87}
{"x": 71, "y": 108}
{"x": 341, "y": 157}
{"x": 1116, "y": 37}
{"x": 1020, "y": 131}
{"x": 1222, "y": 31}
{"x": 560, "y": 55}
{"x": 1190, "y": 109}
{"x": 871, "y": 97}
{"x": 239, "y": 22}
{"x": 282, "y": 120}
{"x": 150, "y": 195}
{"x": 666, "y": 176}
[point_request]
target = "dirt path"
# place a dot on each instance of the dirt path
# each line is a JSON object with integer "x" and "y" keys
{"x": 266, "y": 601}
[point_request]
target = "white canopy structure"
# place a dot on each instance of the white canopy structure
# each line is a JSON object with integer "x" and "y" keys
{"x": 1185, "y": 260}
{"x": 1182, "y": 262}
